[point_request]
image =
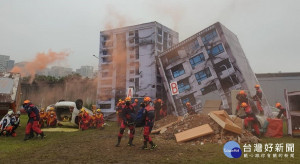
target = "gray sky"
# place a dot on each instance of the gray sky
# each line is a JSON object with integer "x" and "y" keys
{"x": 267, "y": 29}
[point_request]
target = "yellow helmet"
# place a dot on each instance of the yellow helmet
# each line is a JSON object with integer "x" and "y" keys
{"x": 120, "y": 100}
{"x": 51, "y": 108}
{"x": 147, "y": 99}
{"x": 278, "y": 105}
{"x": 244, "y": 105}
{"x": 127, "y": 99}
{"x": 98, "y": 110}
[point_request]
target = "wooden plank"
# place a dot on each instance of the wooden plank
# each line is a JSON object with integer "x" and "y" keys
{"x": 166, "y": 126}
{"x": 223, "y": 113}
{"x": 194, "y": 133}
{"x": 226, "y": 124}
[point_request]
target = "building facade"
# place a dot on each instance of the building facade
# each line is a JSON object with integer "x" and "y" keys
{"x": 5, "y": 63}
{"x": 127, "y": 59}
{"x": 86, "y": 71}
{"x": 58, "y": 71}
{"x": 206, "y": 65}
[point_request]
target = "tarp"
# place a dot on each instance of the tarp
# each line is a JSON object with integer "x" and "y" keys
{"x": 275, "y": 128}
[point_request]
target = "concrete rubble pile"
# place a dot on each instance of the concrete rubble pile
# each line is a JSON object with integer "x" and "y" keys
{"x": 215, "y": 134}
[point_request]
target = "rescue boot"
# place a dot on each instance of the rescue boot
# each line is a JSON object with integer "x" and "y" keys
{"x": 153, "y": 146}
{"x": 119, "y": 141}
{"x": 27, "y": 137}
{"x": 145, "y": 147}
{"x": 42, "y": 135}
{"x": 130, "y": 142}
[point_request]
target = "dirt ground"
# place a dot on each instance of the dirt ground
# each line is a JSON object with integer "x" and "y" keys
{"x": 98, "y": 146}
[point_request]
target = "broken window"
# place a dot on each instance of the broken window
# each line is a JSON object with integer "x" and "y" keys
{"x": 222, "y": 65}
{"x": 159, "y": 30}
{"x": 178, "y": 70}
{"x": 202, "y": 75}
{"x": 228, "y": 82}
{"x": 216, "y": 50}
{"x": 183, "y": 85}
{"x": 209, "y": 36}
{"x": 208, "y": 89}
{"x": 188, "y": 98}
{"x": 197, "y": 60}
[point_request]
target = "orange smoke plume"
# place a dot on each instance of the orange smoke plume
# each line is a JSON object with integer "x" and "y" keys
{"x": 41, "y": 61}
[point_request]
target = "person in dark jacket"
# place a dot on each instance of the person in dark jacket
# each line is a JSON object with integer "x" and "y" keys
{"x": 258, "y": 97}
{"x": 127, "y": 120}
{"x": 282, "y": 110}
{"x": 33, "y": 120}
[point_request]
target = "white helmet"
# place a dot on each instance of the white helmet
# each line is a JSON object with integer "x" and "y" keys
{"x": 10, "y": 113}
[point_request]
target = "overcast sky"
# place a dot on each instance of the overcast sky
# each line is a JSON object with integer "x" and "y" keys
{"x": 268, "y": 30}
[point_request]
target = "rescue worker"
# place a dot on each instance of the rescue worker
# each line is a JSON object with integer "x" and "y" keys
{"x": 136, "y": 105}
{"x": 99, "y": 119}
{"x": 119, "y": 111}
{"x": 163, "y": 110}
{"x": 84, "y": 119}
{"x": 93, "y": 120}
{"x": 258, "y": 97}
{"x": 52, "y": 119}
{"x": 5, "y": 124}
{"x": 241, "y": 97}
{"x": 149, "y": 122}
{"x": 157, "y": 108}
{"x": 15, "y": 122}
{"x": 282, "y": 110}
{"x": 190, "y": 109}
{"x": 128, "y": 120}
{"x": 43, "y": 118}
{"x": 33, "y": 120}
{"x": 250, "y": 118}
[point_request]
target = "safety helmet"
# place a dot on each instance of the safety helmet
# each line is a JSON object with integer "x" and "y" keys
{"x": 147, "y": 99}
{"x": 123, "y": 102}
{"x": 120, "y": 100}
{"x": 278, "y": 105}
{"x": 26, "y": 101}
{"x": 42, "y": 109}
{"x": 136, "y": 100}
{"x": 244, "y": 105}
{"x": 98, "y": 110}
{"x": 127, "y": 99}
{"x": 51, "y": 108}
{"x": 188, "y": 104}
{"x": 242, "y": 92}
{"x": 10, "y": 113}
{"x": 159, "y": 100}
{"x": 256, "y": 86}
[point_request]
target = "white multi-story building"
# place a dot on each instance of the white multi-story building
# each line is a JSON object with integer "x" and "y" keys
{"x": 128, "y": 60}
{"x": 208, "y": 64}
{"x": 5, "y": 63}
{"x": 85, "y": 71}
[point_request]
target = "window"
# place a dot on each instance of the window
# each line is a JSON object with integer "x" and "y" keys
{"x": 106, "y": 74}
{"x": 202, "y": 75}
{"x": 131, "y": 56}
{"x": 159, "y": 38}
{"x": 189, "y": 98}
{"x": 104, "y": 52}
{"x": 177, "y": 70}
{"x": 159, "y": 47}
{"x": 137, "y": 54}
{"x": 105, "y": 106}
{"x": 137, "y": 70}
{"x": 131, "y": 33}
{"x": 209, "y": 88}
{"x": 228, "y": 82}
{"x": 159, "y": 30}
{"x": 222, "y": 65}
{"x": 209, "y": 36}
{"x": 183, "y": 85}
{"x": 136, "y": 83}
{"x": 131, "y": 80}
{"x": 106, "y": 59}
{"x": 216, "y": 50}
{"x": 131, "y": 71}
{"x": 197, "y": 60}
{"x": 158, "y": 79}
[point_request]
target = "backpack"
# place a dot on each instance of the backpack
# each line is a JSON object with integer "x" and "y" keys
{"x": 140, "y": 118}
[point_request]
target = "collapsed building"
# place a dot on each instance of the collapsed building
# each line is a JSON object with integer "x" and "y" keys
{"x": 10, "y": 92}
{"x": 127, "y": 59}
{"x": 208, "y": 65}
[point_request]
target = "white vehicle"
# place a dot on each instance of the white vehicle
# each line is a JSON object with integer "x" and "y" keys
{"x": 67, "y": 113}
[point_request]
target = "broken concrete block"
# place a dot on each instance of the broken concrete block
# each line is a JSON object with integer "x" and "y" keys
{"x": 194, "y": 133}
